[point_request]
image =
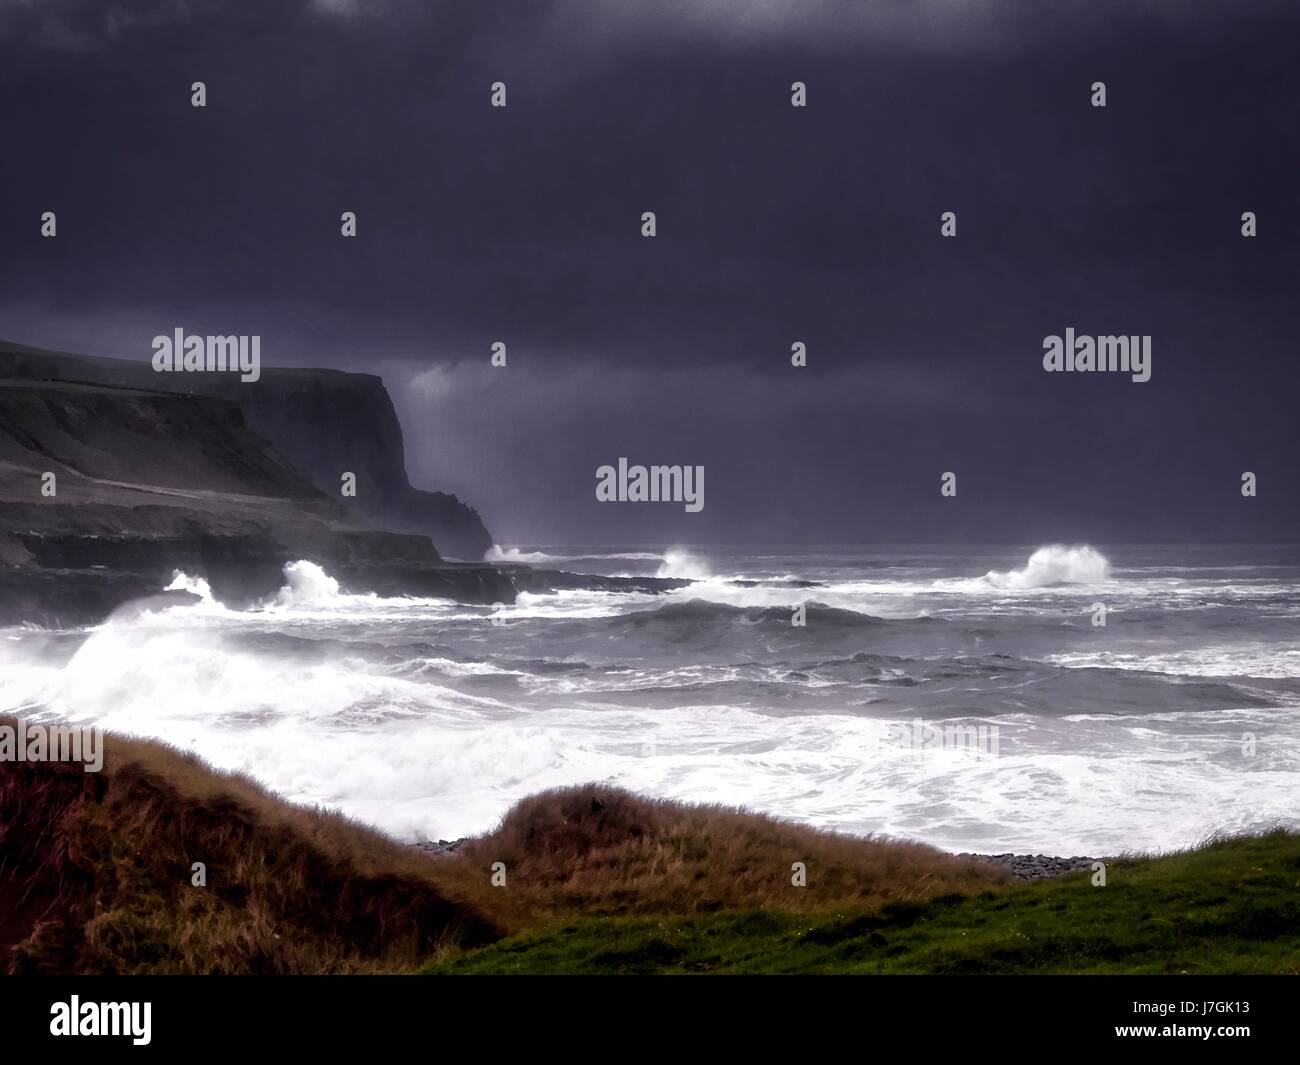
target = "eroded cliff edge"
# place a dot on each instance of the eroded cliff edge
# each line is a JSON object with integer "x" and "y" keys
{"x": 324, "y": 422}
{"x": 106, "y": 492}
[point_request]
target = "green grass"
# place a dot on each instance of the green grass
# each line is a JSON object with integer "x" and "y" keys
{"x": 1231, "y": 906}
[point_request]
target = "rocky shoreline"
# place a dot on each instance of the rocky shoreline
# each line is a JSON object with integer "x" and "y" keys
{"x": 1034, "y": 866}
{"x": 442, "y": 846}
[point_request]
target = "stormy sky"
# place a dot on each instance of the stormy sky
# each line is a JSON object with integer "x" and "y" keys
{"x": 775, "y": 224}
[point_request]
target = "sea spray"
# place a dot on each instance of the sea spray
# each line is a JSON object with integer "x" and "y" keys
{"x": 1055, "y": 564}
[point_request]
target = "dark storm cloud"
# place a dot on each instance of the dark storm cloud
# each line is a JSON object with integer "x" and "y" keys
{"x": 86, "y": 25}
{"x": 965, "y": 25}
{"x": 775, "y": 224}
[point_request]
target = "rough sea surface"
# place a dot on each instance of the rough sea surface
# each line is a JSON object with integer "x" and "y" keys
{"x": 964, "y": 698}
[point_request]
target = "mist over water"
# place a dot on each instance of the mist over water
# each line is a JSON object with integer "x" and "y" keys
{"x": 429, "y": 718}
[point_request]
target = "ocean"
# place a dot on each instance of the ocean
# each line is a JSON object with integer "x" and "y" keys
{"x": 965, "y": 698}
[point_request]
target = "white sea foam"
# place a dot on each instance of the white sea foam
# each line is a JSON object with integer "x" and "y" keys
{"x": 1268, "y": 662}
{"x": 420, "y": 759}
{"x": 1055, "y": 564}
{"x": 497, "y": 553}
{"x": 571, "y": 603}
{"x": 307, "y": 585}
{"x": 183, "y": 582}
{"x": 679, "y": 562}
{"x": 309, "y": 593}
{"x": 440, "y": 738}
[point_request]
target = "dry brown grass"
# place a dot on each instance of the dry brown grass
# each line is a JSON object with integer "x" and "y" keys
{"x": 95, "y": 871}
{"x": 97, "y": 868}
{"x": 599, "y": 850}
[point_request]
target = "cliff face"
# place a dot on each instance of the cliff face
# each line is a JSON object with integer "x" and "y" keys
{"x": 101, "y": 442}
{"x": 147, "y": 482}
{"x": 325, "y": 422}
{"x": 106, "y": 492}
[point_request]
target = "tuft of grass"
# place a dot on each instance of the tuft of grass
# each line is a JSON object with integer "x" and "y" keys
{"x": 1231, "y": 906}
{"x": 599, "y": 850}
{"x": 96, "y": 876}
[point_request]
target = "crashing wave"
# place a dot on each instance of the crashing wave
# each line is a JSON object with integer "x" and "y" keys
{"x": 678, "y": 562}
{"x": 306, "y": 584}
{"x": 1055, "y": 564}
{"x": 183, "y": 582}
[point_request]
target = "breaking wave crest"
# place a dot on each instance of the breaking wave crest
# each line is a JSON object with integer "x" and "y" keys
{"x": 1055, "y": 564}
{"x": 183, "y": 582}
{"x": 678, "y": 562}
{"x": 306, "y": 584}
{"x": 497, "y": 553}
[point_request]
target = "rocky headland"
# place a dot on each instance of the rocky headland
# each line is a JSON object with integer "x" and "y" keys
{"x": 113, "y": 477}
{"x": 322, "y": 422}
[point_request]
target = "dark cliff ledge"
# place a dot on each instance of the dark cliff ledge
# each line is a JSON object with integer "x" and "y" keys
{"x": 145, "y": 483}
{"x": 324, "y": 422}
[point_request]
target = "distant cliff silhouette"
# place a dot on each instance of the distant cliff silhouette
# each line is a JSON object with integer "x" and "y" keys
{"x": 325, "y": 422}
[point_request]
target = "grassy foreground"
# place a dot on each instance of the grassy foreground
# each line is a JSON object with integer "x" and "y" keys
{"x": 1232, "y": 906}
{"x": 161, "y": 864}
